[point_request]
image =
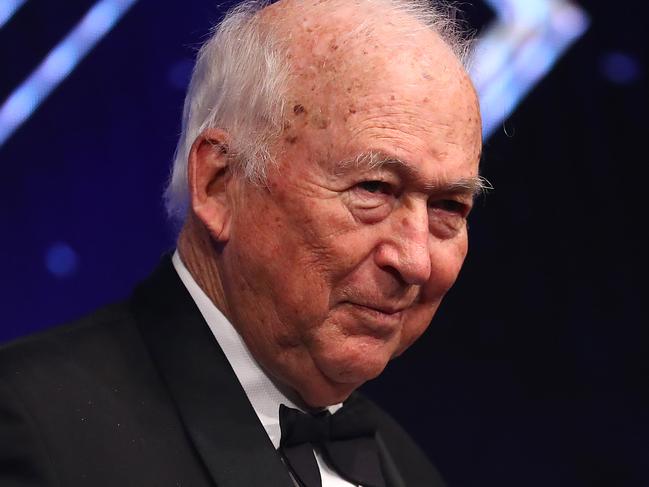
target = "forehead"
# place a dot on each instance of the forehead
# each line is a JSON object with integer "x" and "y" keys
{"x": 358, "y": 85}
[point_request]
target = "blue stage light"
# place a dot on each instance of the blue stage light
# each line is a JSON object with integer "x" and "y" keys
{"x": 8, "y": 8}
{"x": 59, "y": 63}
{"x": 620, "y": 68}
{"x": 513, "y": 54}
{"x": 518, "y": 49}
{"x": 61, "y": 260}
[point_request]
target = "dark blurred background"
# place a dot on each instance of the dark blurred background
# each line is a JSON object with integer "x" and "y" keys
{"x": 534, "y": 372}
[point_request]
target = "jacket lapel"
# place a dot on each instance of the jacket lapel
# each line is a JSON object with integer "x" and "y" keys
{"x": 216, "y": 413}
{"x": 389, "y": 467}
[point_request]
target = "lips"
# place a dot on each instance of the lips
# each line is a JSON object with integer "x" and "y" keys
{"x": 388, "y": 310}
{"x": 379, "y": 321}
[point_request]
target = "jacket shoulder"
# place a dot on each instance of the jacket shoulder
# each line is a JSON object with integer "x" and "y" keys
{"x": 79, "y": 399}
{"x": 66, "y": 353}
{"x": 44, "y": 381}
{"x": 51, "y": 339}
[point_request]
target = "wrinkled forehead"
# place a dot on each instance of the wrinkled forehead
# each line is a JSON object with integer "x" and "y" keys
{"x": 351, "y": 65}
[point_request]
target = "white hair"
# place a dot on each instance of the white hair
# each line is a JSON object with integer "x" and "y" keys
{"x": 241, "y": 78}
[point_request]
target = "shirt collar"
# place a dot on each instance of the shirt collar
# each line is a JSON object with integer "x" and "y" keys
{"x": 264, "y": 396}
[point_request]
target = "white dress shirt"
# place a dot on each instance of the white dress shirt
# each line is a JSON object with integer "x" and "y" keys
{"x": 263, "y": 394}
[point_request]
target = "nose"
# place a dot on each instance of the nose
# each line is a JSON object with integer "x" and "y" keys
{"x": 406, "y": 249}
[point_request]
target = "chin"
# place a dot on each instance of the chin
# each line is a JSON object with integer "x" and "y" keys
{"x": 340, "y": 370}
{"x": 325, "y": 394}
{"x": 354, "y": 363}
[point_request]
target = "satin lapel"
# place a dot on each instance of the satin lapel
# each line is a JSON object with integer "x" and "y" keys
{"x": 388, "y": 466}
{"x": 211, "y": 403}
{"x": 390, "y": 471}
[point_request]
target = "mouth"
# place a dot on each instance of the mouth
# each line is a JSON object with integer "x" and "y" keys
{"x": 386, "y": 310}
{"x": 377, "y": 320}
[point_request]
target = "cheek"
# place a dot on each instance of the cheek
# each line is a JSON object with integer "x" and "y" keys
{"x": 283, "y": 253}
{"x": 446, "y": 259}
{"x": 415, "y": 325}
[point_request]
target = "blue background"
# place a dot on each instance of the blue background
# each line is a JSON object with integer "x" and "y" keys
{"x": 534, "y": 372}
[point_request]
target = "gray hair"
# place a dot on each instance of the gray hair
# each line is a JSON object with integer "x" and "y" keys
{"x": 240, "y": 84}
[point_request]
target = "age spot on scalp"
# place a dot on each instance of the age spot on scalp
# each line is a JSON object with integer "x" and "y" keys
{"x": 291, "y": 139}
{"x": 319, "y": 121}
{"x": 299, "y": 109}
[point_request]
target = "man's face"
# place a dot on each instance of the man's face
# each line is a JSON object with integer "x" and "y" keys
{"x": 340, "y": 263}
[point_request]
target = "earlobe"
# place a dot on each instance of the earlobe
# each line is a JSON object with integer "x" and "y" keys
{"x": 208, "y": 175}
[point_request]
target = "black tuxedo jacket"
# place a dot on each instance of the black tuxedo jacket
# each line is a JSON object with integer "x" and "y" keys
{"x": 140, "y": 394}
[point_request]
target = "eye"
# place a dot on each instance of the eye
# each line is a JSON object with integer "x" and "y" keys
{"x": 372, "y": 200}
{"x": 451, "y": 206}
{"x": 447, "y": 217}
{"x": 374, "y": 187}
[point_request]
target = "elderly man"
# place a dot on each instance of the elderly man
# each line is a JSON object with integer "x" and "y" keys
{"x": 325, "y": 171}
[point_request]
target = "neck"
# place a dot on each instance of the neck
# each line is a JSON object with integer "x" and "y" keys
{"x": 200, "y": 256}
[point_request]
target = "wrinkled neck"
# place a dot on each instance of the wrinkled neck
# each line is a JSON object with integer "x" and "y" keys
{"x": 200, "y": 254}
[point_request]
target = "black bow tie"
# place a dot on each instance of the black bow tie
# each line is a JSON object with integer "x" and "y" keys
{"x": 346, "y": 438}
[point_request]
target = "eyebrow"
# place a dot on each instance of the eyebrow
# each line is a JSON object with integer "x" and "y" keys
{"x": 376, "y": 160}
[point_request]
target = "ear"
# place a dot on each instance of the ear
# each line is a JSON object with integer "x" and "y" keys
{"x": 208, "y": 172}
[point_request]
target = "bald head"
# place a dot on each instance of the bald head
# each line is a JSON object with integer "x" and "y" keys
{"x": 315, "y": 22}
{"x": 339, "y": 49}
{"x": 345, "y": 60}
